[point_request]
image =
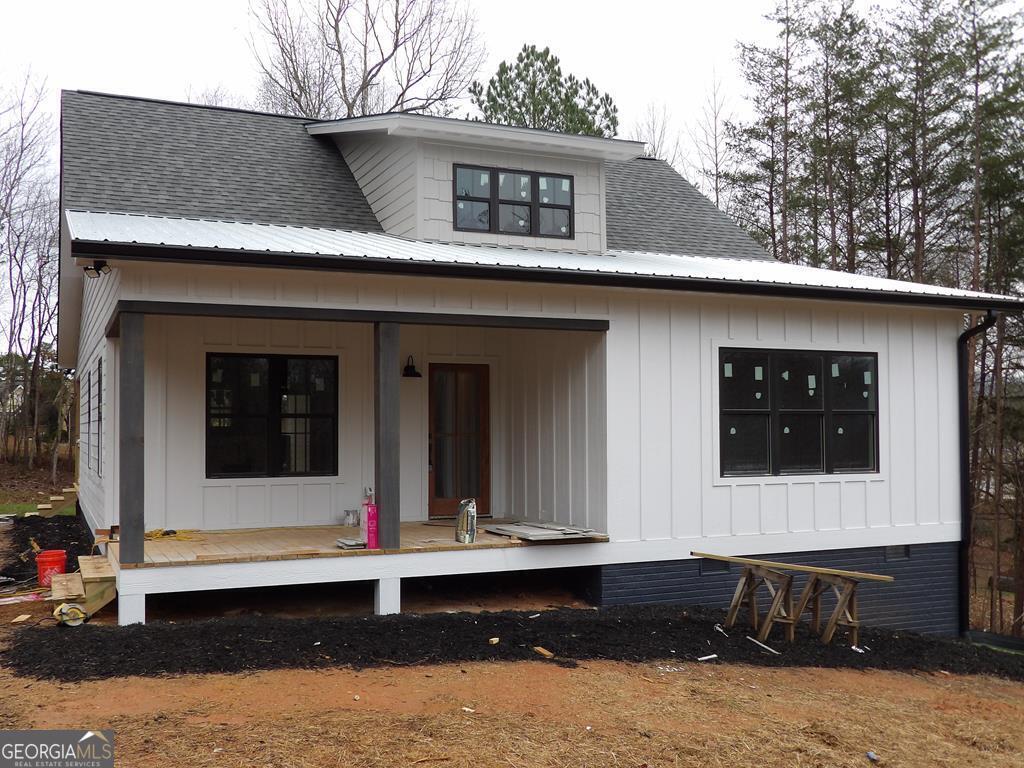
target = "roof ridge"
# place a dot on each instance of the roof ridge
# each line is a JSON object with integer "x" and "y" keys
{"x": 173, "y": 103}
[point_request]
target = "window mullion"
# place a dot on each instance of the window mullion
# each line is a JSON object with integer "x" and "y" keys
{"x": 274, "y": 388}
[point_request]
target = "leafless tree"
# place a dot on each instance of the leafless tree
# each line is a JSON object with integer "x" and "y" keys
{"x": 28, "y": 258}
{"x": 345, "y": 58}
{"x": 215, "y": 96}
{"x": 713, "y": 158}
{"x": 661, "y": 140}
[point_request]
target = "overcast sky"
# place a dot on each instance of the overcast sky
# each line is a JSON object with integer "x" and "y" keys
{"x": 639, "y": 51}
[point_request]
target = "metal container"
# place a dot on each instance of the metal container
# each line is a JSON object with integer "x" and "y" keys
{"x": 465, "y": 523}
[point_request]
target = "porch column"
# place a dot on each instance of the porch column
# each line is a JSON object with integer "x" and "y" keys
{"x": 131, "y": 417}
{"x": 386, "y": 365}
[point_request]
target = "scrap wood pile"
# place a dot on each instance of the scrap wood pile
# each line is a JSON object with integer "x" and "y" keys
{"x": 565, "y": 636}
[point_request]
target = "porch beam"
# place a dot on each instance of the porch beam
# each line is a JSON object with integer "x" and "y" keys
{"x": 386, "y": 365}
{"x": 131, "y": 438}
{"x": 197, "y": 309}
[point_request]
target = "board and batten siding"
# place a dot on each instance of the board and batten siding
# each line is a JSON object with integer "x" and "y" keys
{"x": 656, "y": 485}
{"x": 541, "y": 373}
{"x": 96, "y": 472}
{"x": 663, "y": 387}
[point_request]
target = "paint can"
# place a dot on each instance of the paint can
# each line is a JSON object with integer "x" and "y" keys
{"x": 465, "y": 523}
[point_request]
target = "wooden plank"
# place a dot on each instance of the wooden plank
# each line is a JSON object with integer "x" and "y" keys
{"x": 791, "y": 567}
{"x": 67, "y": 586}
{"x": 131, "y": 437}
{"x": 95, "y": 568}
{"x": 386, "y": 404}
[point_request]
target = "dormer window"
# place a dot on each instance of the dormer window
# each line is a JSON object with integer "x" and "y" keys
{"x": 512, "y": 202}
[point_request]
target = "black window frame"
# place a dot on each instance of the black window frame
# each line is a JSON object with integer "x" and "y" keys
{"x": 99, "y": 417}
{"x": 494, "y": 201}
{"x": 275, "y": 364}
{"x": 774, "y": 412}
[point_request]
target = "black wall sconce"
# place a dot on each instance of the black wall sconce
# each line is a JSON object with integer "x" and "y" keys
{"x": 410, "y": 372}
{"x": 96, "y": 269}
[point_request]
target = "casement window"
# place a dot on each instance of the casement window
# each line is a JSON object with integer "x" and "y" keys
{"x": 85, "y": 440}
{"x": 271, "y": 415}
{"x": 787, "y": 412}
{"x": 512, "y": 202}
{"x": 99, "y": 417}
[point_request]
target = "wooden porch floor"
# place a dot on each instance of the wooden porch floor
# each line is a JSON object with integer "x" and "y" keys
{"x": 262, "y": 544}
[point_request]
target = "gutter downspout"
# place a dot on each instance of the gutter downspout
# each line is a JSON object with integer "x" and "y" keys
{"x": 966, "y": 510}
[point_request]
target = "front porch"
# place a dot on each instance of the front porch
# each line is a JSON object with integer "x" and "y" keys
{"x": 531, "y": 442}
{"x": 251, "y": 545}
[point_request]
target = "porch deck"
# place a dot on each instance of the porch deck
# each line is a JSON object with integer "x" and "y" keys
{"x": 263, "y": 544}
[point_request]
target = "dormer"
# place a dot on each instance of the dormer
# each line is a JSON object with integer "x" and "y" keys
{"x": 461, "y": 181}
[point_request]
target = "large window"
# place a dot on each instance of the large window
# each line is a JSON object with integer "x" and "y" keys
{"x": 271, "y": 415}
{"x": 785, "y": 412}
{"x": 512, "y": 202}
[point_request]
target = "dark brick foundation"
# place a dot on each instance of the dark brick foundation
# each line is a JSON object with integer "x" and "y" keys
{"x": 923, "y": 597}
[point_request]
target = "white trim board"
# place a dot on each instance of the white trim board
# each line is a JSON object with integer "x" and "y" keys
{"x": 190, "y": 578}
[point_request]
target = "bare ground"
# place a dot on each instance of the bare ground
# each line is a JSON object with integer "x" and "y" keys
{"x": 534, "y": 714}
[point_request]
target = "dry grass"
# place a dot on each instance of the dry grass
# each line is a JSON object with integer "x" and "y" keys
{"x": 533, "y": 714}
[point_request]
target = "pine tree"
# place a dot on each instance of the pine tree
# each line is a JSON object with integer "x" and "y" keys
{"x": 532, "y": 92}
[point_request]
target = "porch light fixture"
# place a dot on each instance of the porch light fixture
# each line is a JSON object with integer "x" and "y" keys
{"x": 96, "y": 269}
{"x": 410, "y": 372}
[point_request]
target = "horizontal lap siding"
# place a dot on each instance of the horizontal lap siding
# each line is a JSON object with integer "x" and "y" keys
{"x": 923, "y": 597}
{"x": 98, "y": 299}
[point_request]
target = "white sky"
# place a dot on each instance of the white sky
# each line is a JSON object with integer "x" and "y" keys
{"x": 640, "y": 51}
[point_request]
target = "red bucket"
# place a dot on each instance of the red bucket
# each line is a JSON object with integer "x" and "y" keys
{"x": 49, "y": 562}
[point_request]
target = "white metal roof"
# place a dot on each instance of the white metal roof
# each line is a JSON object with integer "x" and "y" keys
{"x": 507, "y": 137}
{"x": 88, "y": 227}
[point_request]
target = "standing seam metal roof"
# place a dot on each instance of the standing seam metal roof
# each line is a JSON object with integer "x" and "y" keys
{"x": 231, "y": 237}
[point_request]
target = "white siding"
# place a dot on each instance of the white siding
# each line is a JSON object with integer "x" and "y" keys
{"x": 96, "y": 471}
{"x": 179, "y": 495}
{"x": 647, "y": 390}
{"x": 408, "y": 184}
{"x": 386, "y": 169}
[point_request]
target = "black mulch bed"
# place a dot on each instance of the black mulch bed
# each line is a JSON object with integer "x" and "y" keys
{"x": 68, "y": 532}
{"x": 635, "y": 634}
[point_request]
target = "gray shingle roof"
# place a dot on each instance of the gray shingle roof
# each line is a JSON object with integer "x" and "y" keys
{"x": 146, "y": 156}
{"x": 650, "y": 207}
{"x": 140, "y": 155}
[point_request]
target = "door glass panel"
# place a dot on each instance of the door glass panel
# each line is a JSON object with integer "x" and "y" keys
{"x": 469, "y": 464}
{"x": 444, "y": 408}
{"x": 469, "y": 401}
{"x": 444, "y": 467}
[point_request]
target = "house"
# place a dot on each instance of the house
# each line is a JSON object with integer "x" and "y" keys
{"x": 243, "y": 294}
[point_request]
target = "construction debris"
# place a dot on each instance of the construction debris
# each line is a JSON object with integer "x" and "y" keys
{"x": 21, "y": 618}
{"x": 758, "y": 642}
{"x": 494, "y": 641}
{"x": 544, "y": 652}
{"x": 542, "y": 532}
{"x": 709, "y": 657}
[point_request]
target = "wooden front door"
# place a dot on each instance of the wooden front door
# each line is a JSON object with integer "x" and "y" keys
{"x": 460, "y": 438}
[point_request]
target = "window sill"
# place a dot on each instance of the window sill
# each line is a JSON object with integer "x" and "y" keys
{"x": 820, "y": 478}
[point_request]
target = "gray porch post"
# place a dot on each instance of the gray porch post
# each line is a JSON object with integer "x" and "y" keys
{"x": 131, "y": 417}
{"x": 386, "y": 366}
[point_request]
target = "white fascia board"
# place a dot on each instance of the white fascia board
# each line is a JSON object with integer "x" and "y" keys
{"x": 503, "y": 137}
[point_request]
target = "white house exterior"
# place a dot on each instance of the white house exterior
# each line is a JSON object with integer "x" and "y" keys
{"x": 226, "y": 249}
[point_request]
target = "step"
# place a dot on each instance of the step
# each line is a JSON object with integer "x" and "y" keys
{"x": 56, "y": 498}
{"x": 67, "y": 586}
{"x": 95, "y": 568}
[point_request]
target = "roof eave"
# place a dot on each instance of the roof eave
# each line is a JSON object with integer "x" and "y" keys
{"x": 505, "y": 137}
{"x": 291, "y": 260}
